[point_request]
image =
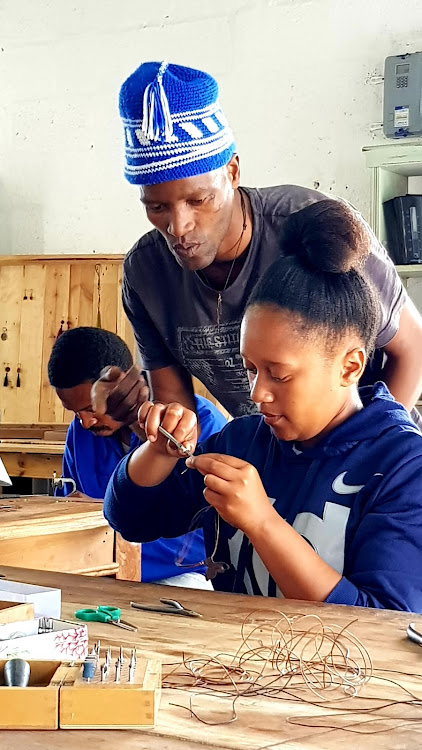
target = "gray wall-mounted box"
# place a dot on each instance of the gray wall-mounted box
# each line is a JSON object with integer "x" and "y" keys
{"x": 403, "y": 95}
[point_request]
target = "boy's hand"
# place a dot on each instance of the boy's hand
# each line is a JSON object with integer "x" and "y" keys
{"x": 234, "y": 488}
{"x": 176, "y": 419}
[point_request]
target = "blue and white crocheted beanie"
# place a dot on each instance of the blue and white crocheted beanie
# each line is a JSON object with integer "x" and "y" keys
{"x": 174, "y": 126}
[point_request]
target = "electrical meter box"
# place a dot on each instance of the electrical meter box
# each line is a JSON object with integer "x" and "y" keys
{"x": 403, "y": 95}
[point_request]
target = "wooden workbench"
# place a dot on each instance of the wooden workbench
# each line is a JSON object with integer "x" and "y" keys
{"x": 50, "y": 534}
{"x": 262, "y": 723}
{"x": 37, "y": 459}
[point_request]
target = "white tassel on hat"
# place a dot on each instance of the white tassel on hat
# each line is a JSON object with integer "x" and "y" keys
{"x": 156, "y": 122}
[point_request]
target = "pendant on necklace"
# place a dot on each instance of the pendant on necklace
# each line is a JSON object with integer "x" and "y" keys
{"x": 219, "y": 305}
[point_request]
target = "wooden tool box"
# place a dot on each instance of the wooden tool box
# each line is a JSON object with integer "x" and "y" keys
{"x": 15, "y": 612}
{"x": 58, "y": 698}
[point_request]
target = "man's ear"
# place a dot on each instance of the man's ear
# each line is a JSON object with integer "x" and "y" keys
{"x": 353, "y": 365}
{"x": 233, "y": 170}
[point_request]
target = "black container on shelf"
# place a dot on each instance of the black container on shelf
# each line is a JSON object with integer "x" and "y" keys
{"x": 403, "y": 222}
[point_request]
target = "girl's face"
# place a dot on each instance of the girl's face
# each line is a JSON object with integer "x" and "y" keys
{"x": 302, "y": 388}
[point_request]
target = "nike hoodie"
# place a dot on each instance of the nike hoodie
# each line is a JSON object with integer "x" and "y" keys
{"x": 356, "y": 497}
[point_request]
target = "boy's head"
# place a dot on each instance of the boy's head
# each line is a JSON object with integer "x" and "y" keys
{"x": 311, "y": 323}
{"x": 75, "y": 363}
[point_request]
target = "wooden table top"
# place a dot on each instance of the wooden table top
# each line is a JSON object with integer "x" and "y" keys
{"x": 36, "y": 446}
{"x": 40, "y": 515}
{"x": 262, "y": 722}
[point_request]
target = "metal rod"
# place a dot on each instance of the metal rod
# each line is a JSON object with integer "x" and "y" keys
{"x": 175, "y": 442}
{"x": 125, "y": 626}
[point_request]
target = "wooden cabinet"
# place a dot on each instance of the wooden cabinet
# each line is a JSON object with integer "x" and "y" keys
{"x": 390, "y": 165}
{"x": 46, "y": 534}
{"x": 39, "y": 295}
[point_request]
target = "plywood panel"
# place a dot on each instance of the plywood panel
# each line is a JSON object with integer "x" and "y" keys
{"x": 82, "y": 280}
{"x": 11, "y": 293}
{"x": 30, "y": 465}
{"x": 128, "y": 557}
{"x": 56, "y": 309}
{"x": 108, "y": 295}
{"x": 30, "y": 345}
{"x": 86, "y": 550}
{"x": 62, "y": 288}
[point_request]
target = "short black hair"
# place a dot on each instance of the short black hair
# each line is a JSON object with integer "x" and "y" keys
{"x": 319, "y": 279}
{"x": 79, "y": 355}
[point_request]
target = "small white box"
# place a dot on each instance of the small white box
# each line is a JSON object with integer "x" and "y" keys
{"x": 64, "y": 642}
{"x": 47, "y": 602}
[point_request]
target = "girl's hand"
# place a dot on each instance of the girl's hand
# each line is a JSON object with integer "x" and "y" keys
{"x": 176, "y": 419}
{"x": 234, "y": 488}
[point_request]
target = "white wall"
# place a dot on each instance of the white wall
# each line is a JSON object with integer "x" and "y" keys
{"x": 294, "y": 78}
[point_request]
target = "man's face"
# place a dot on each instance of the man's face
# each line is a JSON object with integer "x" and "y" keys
{"x": 78, "y": 400}
{"x": 194, "y": 214}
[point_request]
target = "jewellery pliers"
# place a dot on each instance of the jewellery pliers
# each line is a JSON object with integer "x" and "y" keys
{"x": 170, "y": 607}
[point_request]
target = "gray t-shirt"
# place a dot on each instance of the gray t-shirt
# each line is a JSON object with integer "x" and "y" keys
{"x": 174, "y": 313}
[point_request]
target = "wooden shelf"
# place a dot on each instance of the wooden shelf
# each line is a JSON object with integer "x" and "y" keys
{"x": 391, "y": 165}
{"x": 400, "y": 157}
{"x": 413, "y": 270}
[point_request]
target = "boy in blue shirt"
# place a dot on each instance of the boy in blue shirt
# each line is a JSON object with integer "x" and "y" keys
{"x": 320, "y": 496}
{"x": 96, "y": 443}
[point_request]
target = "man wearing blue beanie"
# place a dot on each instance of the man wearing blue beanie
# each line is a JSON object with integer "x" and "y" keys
{"x": 186, "y": 282}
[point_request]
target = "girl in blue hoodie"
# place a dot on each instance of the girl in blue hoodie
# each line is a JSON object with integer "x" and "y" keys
{"x": 319, "y": 496}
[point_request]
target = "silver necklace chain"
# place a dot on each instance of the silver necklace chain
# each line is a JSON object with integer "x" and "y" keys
{"x": 237, "y": 246}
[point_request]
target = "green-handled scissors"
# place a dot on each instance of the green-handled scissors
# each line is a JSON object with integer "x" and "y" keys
{"x": 111, "y": 615}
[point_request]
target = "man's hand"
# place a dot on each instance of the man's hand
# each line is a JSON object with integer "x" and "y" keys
{"x": 234, "y": 488}
{"x": 119, "y": 394}
{"x": 176, "y": 419}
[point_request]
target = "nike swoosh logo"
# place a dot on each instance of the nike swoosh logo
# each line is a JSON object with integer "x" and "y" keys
{"x": 345, "y": 489}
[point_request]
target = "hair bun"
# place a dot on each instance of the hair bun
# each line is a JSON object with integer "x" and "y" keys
{"x": 328, "y": 236}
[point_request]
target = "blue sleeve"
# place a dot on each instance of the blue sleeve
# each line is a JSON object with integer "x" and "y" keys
{"x": 143, "y": 514}
{"x": 210, "y": 418}
{"x": 384, "y": 557}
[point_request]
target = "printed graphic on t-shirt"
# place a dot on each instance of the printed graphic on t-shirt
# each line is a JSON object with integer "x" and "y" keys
{"x": 326, "y": 536}
{"x": 211, "y": 354}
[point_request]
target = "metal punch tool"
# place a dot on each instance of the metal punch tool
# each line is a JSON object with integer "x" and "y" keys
{"x": 413, "y": 634}
{"x": 175, "y": 442}
{"x": 170, "y": 607}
